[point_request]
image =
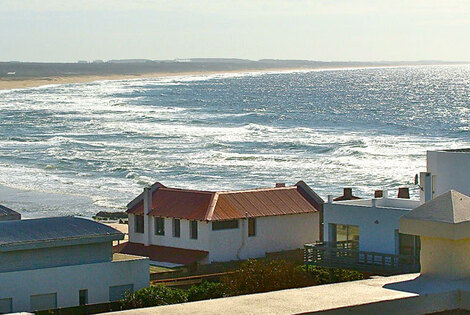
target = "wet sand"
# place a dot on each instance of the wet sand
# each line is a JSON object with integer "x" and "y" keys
{"x": 19, "y": 83}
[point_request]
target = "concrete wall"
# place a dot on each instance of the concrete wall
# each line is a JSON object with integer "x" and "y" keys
{"x": 445, "y": 258}
{"x": 55, "y": 256}
{"x": 274, "y": 233}
{"x": 68, "y": 280}
{"x": 451, "y": 170}
{"x": 377, "y": 225}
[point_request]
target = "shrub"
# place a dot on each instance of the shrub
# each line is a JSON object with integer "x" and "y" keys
{"x": 153, "y": 296}
{"x": 322, "y": 275}
{"x": 256, "y": 276}
{"x": 207, "y": 290}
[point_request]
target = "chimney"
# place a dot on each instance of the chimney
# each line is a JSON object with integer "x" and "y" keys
{"x": 378, "y": 194}
{"x": 330, "y": 198}
{"x": 147, "y": 200}
{"x": 147, "y": 209}
{"x": 347, "y": 193}
{"x": 280, "y": 185}
{"x": 404, "y": 192}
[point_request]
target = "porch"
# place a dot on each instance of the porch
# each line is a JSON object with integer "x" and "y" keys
{"x": 345, "y": 254}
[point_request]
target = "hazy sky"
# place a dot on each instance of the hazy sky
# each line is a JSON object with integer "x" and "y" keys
{"x": 59, "y": 30}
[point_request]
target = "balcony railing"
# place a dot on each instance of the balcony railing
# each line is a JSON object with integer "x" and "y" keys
{"x": 346, "y": 255}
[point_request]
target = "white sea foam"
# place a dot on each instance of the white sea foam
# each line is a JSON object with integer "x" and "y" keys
{"x": 106, "y": 140}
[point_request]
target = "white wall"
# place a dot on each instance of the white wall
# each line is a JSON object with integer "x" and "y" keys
{"x": 184, "y": 241}
{"x": 274, "y": 233}
{"x": 134, "y": 237}
{"x": 67, "y": 281}
{"x": 375, "y": 237}
{"x": 451, "y": 170}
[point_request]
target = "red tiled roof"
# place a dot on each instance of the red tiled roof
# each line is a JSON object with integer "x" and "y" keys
{"x": 138, "y": 208}
{"x": 260, "y": 203}
{"x": 181, "y": 203}
{"x": 226, "y": 205}
{"x": 162, "y": 253}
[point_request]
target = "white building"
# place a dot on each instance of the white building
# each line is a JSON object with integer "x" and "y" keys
{"x": 446, "y": 170}
{"x": 370, "y": 223}
{"x": 180, "y": 226}
{"x": 61, "y": 262}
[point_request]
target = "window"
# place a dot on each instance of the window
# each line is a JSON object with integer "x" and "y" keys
{"x": 409, "y": 244}
{"x": 345, "y": 236}
{"x": 176, "y": 228}
{"x": 251, "y": 226}
{"x": 159, "y": 226}
{"x": 118, "y": 292}
{"x": 83, "y": 297}
{"x": 139, "y": 224}
{"x": 224, "y": 225}
{"x": 193, "y": 230}
{"x": 6, "y": 306}
{"x": 43, "y": 301}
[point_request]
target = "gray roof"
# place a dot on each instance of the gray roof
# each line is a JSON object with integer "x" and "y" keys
{"x": 51, "y": 232}
{"x": 450, "y": 207}
{"x": 4, "y": 211}
{"x": 446, "y": 216}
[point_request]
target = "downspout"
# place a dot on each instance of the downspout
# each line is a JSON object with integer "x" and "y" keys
{"x": 243, "y": 236}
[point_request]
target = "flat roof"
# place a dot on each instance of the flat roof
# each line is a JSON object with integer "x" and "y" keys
{"x": 390, "y": 203}
{"x": 403, "y": 294}
{"x": 157, "y": 253}
{"x": 457, "y": 150}
{"x": 52, "y": 232}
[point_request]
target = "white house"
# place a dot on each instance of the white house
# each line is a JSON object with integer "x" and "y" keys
{"x": 61, "y": 262}
{"x": 181, "y": 226}
{"x": 7, "y": 214}
{"x": 370, "y": 224}
{"x": 446, "y": 170}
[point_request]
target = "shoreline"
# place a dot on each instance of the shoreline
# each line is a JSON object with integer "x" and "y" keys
{"x": 23, "y": 83}
{"x": 32, "y": 82}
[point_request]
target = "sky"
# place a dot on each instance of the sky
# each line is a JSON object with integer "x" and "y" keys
{"x": 327, "y": 30}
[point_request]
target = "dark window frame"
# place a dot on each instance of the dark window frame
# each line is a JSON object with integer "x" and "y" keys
{"x": 159, "y": 226}
{"x": 139, "y": 226}
{"x": 176, "y": 228}
{"x": 193, "y": 233}
{"x": 224, "y": 225}
{"x": 83, "y": 297}
{"x": 251, "y": 227}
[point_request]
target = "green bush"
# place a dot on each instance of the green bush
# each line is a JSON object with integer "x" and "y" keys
{"x": 322, "y": 275}
{"x": 153, "y": 296}
{"x": 207, "y": 290}
{"x": 256, "y": 276}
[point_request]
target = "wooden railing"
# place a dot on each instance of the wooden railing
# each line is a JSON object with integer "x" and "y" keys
{"x": 346, "y": 255}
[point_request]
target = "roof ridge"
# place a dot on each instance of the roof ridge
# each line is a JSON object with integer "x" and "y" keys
{"x": 188, "y": 190}
{"x": 212, "y": 206}
{"x": 225, "y": 192}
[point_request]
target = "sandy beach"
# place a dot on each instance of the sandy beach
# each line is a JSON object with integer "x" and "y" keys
{"x": 19, "y": 83}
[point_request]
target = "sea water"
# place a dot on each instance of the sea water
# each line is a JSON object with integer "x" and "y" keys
{"x": 102, "y": 142}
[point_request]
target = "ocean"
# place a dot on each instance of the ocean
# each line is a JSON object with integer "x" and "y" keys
{"x": 81, "y": 148}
